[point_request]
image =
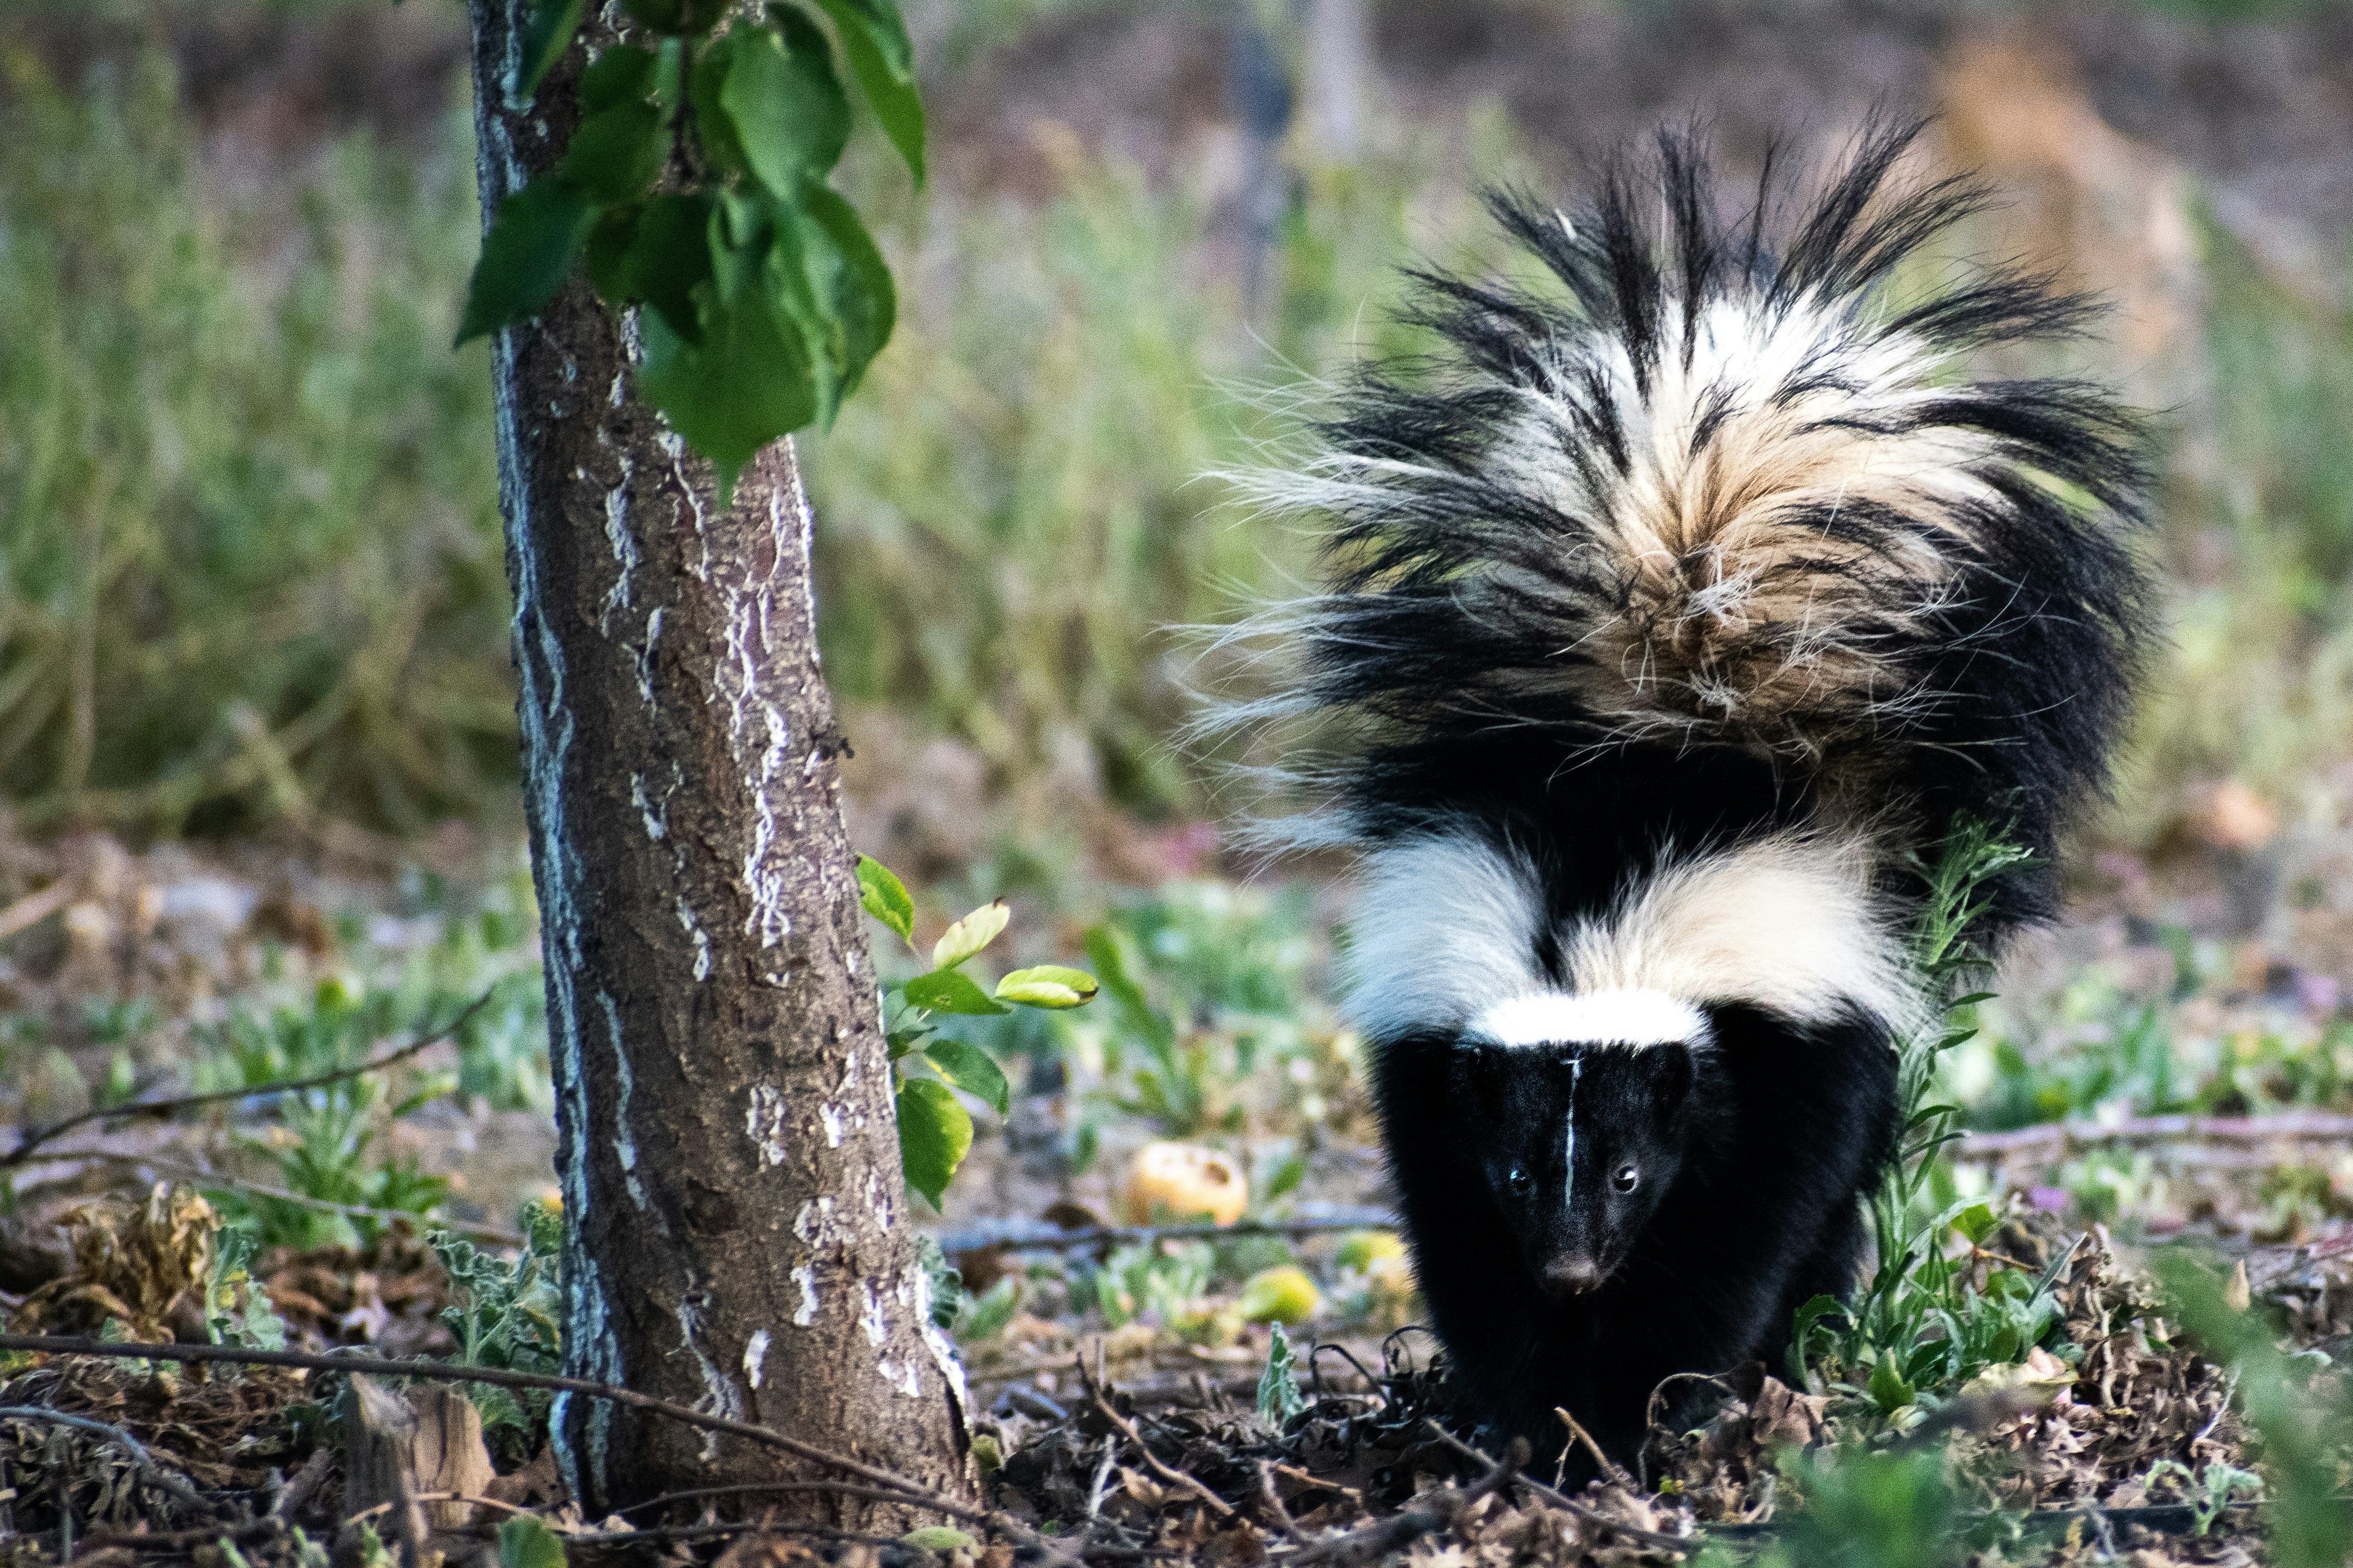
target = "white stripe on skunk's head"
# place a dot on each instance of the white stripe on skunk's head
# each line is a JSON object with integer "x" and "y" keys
{"x": 1450, "y": 934}
{"x": 1615, "y": 1017}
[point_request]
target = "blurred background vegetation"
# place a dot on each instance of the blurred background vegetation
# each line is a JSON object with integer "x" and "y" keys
{"x": 249, "y": 566}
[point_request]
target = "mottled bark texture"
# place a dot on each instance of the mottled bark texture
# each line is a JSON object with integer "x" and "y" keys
{"x": 736, "y": 1229}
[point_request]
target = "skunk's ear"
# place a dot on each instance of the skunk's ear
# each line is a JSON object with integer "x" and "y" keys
{"x": 1673, "y": 1074}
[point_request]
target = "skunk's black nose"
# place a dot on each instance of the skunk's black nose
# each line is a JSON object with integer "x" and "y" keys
{"x": 1571, "y": 1275}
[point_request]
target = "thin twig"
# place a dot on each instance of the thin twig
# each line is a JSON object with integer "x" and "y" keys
{"x": 1174, "y": 1477}
{"x": 1434, "y": 1510}
{"x": 35, "y": 907}
{"x": 1609, "y": 1467}
{"x": 164, "y": 1477}
{"x": 1042, "y": 1235}
{"x": 34, "y": 1139}
{"x": 2059, "y": 1137}
{"x": 1657, "y": 1541}
{"x": 1272, "y": 1502}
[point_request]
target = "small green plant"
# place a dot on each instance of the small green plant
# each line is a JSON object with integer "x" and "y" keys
{"x": 1936, "y": 1311}
{"x": 2208, "y": 1491}
{"x": 507, "y": 1313}
{"x": 934, "y": 1128}
{"x": 1859, "y": 1507}
{"x": 237, "y": 1310}
{"x": 1163, "y": 1280}
{"x": 322, "y": 1141}
{"x": 1279, "y": 1398}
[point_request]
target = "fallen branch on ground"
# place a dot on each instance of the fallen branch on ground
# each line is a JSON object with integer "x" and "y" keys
{"x": 2055, "y": 1138}
{"x": 1044, "y": 1235}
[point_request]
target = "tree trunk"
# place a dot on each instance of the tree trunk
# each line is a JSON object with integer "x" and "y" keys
{"x": 736, "y": 1232}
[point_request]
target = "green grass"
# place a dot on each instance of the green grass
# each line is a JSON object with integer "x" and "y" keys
{"x": 248, "y": 541}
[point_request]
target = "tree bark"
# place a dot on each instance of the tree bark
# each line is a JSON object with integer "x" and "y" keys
{"x": 736, "y": 1230}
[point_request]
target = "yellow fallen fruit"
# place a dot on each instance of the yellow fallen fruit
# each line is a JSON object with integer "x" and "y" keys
{"x": 1361, "y": 1250}
{"x": 1184, "y": 1182}
{"x": 1279, "y": 1295}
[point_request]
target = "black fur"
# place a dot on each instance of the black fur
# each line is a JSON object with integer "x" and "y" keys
{"x": 1747, "y": 1154}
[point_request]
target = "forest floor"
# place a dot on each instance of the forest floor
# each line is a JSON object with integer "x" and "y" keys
{"x": 2174, "y": 1062}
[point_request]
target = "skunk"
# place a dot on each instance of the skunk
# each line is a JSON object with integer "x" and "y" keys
{"x": 1676, "y": 610}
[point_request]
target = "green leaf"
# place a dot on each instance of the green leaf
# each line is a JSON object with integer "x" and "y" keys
{"x": 780, "y": 95}
{"x": 665, "y": 256}
{"x": 850, "y": 282}
{"x": 951, "y": 990}
{"x": 885, "y": 896}
{"x": 677, "y": 18}
{"x": 972, "y": 1069}
{"x": 1279, "y": 1398}
{"x": 713, "y": 127}
{"x": 1804, "y": 1326}
{"x": 746, "y": 383}
{"x": 1048, "y": 985}
{"x": 1889, "y": 1390}
{"x": 617, "y": 153}
{"x": 1976, "y": 1222}
{"x": 540, "y": 232}
{"x": 622, "y": 74}
{"x": 883, "y": 60}
{"x": 970, "y": 934}
{"x": 553, "y": 25}
{"x": 938, "y": 1538}
{"x": 935, "y": 1135}
{"x": 525, "y": 1541}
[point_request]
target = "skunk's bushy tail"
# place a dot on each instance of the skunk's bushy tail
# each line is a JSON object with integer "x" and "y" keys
{"x": 1721, "y": 484}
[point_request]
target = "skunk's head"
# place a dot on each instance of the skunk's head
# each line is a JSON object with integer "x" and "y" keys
{"x": 1577, "y": 1141}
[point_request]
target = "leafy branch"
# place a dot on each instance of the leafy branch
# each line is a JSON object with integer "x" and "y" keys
{"x": 695, "y": 189}
{"x": 934, "y": 1128}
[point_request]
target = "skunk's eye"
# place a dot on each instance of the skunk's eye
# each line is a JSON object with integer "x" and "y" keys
{"x": 1519, "y": 1180}
{"x": 1627, "y": 1179}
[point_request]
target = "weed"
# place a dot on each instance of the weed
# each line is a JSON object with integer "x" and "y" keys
{"x": 323, "y": 1139}
{"x": 1935, "y": 1313}
{"x": 507, "y": 1312}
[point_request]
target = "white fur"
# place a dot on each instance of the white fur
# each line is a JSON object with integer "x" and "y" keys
{"x": 1445, "y": 933}
{"x": 1613, "y": 1017}
{"x": 1442, "y": 927}
{"x": 1788, "y": 925}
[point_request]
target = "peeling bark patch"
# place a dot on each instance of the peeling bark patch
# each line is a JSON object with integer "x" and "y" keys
{"x": 876, "y": 1327}
{"x": 721, "y": 1397}
{"x": 755, "y": 1356}
{"x": 944, "y": 1351}
{"x": 900, "y": 1376}
{"x": 766, "y": 1122}
{"x": 806, "y": 1314}
{"x": 829, "y": 1117}
{"x": 656, "y": 828}
{"x": 701, "y": 938}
